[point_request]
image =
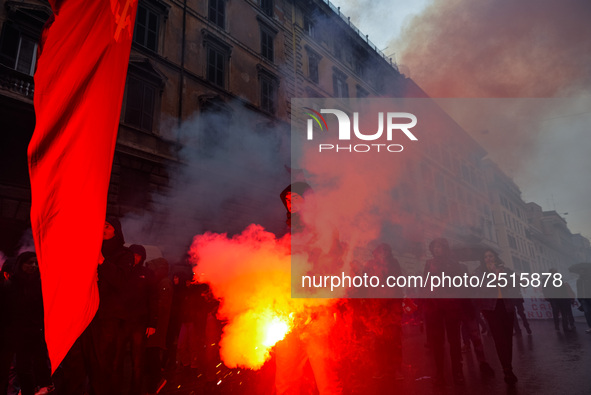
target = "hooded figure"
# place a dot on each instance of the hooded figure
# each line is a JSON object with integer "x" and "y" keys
{"x": 108, "y": 325}
{"x": 114, "y": 243}
{"x": 113, "y": 273}
{"x": 140, "y": 251}
{"x": 292, "y": 197}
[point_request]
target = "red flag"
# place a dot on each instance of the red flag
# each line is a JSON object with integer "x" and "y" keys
{"x": 79, "y": 86}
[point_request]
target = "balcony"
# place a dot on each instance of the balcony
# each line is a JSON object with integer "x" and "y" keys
{"x": 16, "y": 82}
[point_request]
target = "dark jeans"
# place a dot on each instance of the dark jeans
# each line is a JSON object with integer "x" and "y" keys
{"x": 561, "y": 307}
{"x": 107, "y": 369}
{"x": 521, "y": 313}
{"x": 134, "y": 334}
{"x": 70, "y": 377}
{"x": 90, "y": 363}
{"x": 441, "y": 322}
{"x": 500, "y": 322}
{"x": 471, "y": 333}
{"x": 153, "y": 372}
{"x": 32, "y": 363}
{"x": 6, "y": 357}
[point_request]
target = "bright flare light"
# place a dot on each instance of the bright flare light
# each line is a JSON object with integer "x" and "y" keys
{"x": 275, "y": 331}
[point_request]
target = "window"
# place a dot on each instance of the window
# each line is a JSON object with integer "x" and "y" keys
{"x": 216, "y": 65}
{"x": 358, "y": 60}
{"x": 217, "y": 57}
{"x": 134, "y": 187}
{"x": 339, "y": 82}
{"x": 217, "y": 12}
{"x": 313, "y": 62}
{"x": 267, "y": 7}
{"x": 147, "y": 27}
{"x": 268, "y": 84}
{"x": 309, "y": 26}
{"x": 268, "y": 94}
{"x": 512, "y": 242}
{"x": 267, "y": 44}
{"x": 17, "y": 50}
{"x": 338, "y": 52}
{"x": 517, "y": 263}
{"x": 140, "y": 104}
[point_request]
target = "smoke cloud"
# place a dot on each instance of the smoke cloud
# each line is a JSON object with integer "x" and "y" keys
{"x": 529, "y": 48}
{"x": 508, "y": 49}
{"x": 232, "y": 169}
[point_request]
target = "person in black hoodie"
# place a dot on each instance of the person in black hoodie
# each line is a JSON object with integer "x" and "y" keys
{"x": 109, "y": 323}
{"x": 140, "y": 302}
{"x": 32, "y": 363}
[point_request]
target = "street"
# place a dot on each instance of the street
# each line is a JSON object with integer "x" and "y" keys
{"x": 547, "y": 362}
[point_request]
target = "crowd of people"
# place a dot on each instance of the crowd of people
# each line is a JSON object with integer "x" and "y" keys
{"x": 149, "y": 321}
{"x": 152, "y": 320}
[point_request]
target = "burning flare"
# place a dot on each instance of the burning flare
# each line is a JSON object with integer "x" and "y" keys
{"x": 250, "y": 273}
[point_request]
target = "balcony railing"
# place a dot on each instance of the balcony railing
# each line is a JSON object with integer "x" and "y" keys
{"x": 17, "y": 82}
{"x": 364, "y": 37}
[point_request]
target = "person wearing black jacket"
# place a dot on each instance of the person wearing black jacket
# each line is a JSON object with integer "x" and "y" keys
{"x": 498, "y": 305}
{"x": 140, "y": 302}
{"x": 109, "y": 323}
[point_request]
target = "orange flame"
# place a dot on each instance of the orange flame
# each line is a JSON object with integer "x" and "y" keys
{"x": 251, "y": 274}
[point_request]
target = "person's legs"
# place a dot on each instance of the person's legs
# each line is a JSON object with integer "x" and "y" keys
{"x": 323, "y": 365}
{"x": 436, "y": 339}
{"x": 24, "y": 367}
{"x": 501, "y": 326}
{"x": 586, "y": 303}
{"x": 452, "y": 329}
{"x": 41, "y": 364}
{"x": 290, "y": 359}
{"x": 563, "y": 307}
{"x": 569, "y": 313}
{"x": 183, "y": 350}
{"x": 516, "y": 327}
{"x": 106, "y": 335}
{"x": 138, "y": 341}
{"x": 70, "y": 377}
{"x": 521, "y": 313}
{"x": 152, "y": 371}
